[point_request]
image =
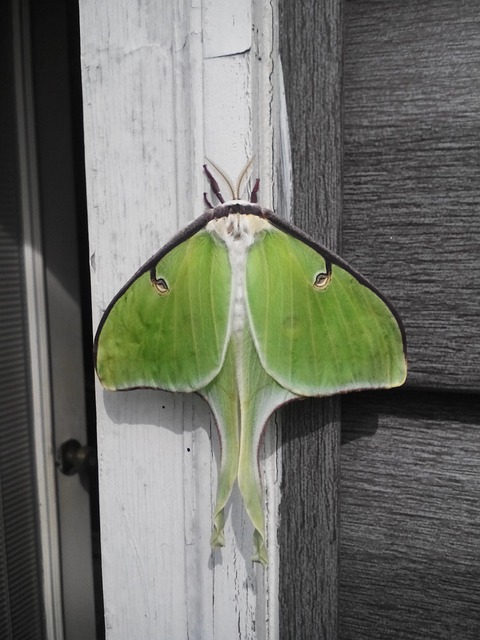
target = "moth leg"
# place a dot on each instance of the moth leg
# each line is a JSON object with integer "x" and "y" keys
{"x": 208, "y": 204}
{"x": 256, "y": 187}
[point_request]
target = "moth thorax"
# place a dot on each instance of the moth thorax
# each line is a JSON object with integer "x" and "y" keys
{"x": 238, "y": 260}
{"x": 239, "y": 240}
{"x": 238, "y": 232}
{"x": 237, "y": 228}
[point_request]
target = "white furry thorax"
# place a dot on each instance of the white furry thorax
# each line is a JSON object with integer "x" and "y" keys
{"x": 237, "y": 231}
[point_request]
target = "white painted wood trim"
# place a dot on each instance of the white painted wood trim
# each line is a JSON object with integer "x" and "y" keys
{"x": 38, "y": 330}
{"x": 166, "y": 84}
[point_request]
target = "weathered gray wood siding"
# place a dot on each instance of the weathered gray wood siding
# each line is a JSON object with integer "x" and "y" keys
{"x": 410, "y": 459}
{"x": 410, "y": 488}
{"x": 411, "y": 165}
{"x": 410, "y": 517}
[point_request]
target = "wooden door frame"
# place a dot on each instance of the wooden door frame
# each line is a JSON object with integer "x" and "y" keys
{"x": 49, "y": 209}
{"x": 42, "y": 414}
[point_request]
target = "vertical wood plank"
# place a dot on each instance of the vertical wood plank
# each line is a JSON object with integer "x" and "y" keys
{"x": 139, "y": 125}
{"x": 166, "y": 84}
{"x": 310, "y": 47}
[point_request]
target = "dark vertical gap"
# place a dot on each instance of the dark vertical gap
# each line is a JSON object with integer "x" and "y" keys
{"x": 76, "y": 98}
{"x": 46, "y": 17}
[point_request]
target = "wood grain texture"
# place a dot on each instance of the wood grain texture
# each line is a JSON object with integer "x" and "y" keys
{"x": 310, "y": 48}
{"x": 410, "y": 518}
{"x": 411, "y": 191}
{"x": 140, "y": 146}
{"x": 166, "y": 84}
{"x": 308, "y": 533}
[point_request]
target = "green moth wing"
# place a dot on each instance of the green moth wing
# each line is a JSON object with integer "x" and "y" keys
{"x": 167, "y": 328}
{"x": 320, "y": 328}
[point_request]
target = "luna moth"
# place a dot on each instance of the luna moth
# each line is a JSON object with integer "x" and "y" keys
{"x": 249, "y": 312}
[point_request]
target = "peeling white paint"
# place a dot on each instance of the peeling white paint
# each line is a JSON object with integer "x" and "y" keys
{"x": 166, "y": 85}
{"x": 227, "y": 28}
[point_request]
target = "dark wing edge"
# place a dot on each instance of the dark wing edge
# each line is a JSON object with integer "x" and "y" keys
{"x": 183, "y": 235}
{"x": 291, "y": 229}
